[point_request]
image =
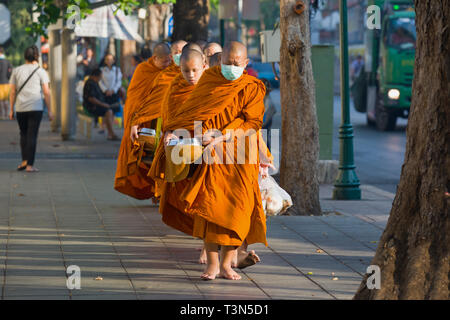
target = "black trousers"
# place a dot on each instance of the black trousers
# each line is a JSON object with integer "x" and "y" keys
{"x": 29, "y": 123}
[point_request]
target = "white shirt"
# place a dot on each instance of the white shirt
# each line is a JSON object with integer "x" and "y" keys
{"x": 111, "y": 79}
{"x": 31, "y": 96}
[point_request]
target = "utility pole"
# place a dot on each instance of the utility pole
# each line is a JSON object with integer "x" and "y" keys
{"x": 239, "y": 23}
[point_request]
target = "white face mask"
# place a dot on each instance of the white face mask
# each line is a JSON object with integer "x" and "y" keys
{"x": 231, "y": 72}
{"x": 177, "y": 58}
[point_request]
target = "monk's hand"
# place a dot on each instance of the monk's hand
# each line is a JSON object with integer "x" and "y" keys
{"x": 134, "y": 133}
{"x": 169, "y": 136}
{"x": 264, "y": 169}
{"x": 209, "y": 138}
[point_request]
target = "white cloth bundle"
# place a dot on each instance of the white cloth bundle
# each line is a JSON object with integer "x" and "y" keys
{"x": 275, "y": 199}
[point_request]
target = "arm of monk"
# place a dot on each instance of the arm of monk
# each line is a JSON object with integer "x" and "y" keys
{"x": 252, "y": 117}
{"x": 141, "y": 115}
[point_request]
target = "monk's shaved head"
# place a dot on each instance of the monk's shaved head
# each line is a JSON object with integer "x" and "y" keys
{"x": 191, "y": 54}
{"x": 192, "y": 46}
{"x": 161, "y": 49}
{"x": 177, "y": 46}
{"x": 161, "y": 55}
{"x": 202, "y": 44}
{"x": 235, "y": 53}
{"x": 212, "y": 48}
{"x": 192, "y": 65}
{"x": 215, "y": 59}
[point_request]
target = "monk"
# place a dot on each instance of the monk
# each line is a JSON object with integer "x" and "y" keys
{"x": 211, "y": 49}
{"x": 221, "y": 202}
{"x": 214, "y": 60}
{"x": 192, "y": 67}
{"x": 130, "y": 179}
{"x": 150, "y": 110}
{"x": 202, "y": 44}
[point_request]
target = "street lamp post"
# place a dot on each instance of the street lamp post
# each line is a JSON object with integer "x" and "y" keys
{"x": 239, "y": 22}
{"x": 346, "y": 186}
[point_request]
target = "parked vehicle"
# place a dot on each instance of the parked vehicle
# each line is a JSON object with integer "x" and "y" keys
{"x": 265, "y": 71}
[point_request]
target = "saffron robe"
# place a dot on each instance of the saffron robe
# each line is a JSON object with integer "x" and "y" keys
{"x": 220, "y": 203}
{"x": 130, "y": 179}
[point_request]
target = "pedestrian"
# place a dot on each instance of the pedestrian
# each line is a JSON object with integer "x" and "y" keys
{"x": 29, "y": 83}
{"x": 135, "y": 60}
{"x": 89, "y": 63}
{"x": 356, "y": 67}
{"x": 5, "y": 74}
{"x": 94, "y": 100}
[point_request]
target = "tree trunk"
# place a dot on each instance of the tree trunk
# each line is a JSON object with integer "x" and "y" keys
{"x": 413, "y": 253}
{"x": 156, "y": 20}
{"x": 190, "y": 20}
{"x": 300, "y": 133}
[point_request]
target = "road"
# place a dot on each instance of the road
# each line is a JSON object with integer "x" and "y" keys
{"x": 378, "y": 155}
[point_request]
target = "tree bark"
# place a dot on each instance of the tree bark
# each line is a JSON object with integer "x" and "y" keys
{"x": 157, "y": 16}
{"x": 413, "y": 253}
{"x": 300, "y": 133}
{"x": 190, "y": 19}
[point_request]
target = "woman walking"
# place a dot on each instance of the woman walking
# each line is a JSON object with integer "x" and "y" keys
{"x": 29, "y": 83}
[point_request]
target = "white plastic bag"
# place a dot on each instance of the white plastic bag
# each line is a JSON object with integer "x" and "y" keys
{"x": 275, "y": 200}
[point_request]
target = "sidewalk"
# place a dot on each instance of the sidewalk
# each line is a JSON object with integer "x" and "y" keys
{"x": 50, "y": 145}
{"x": 69, "y": 214}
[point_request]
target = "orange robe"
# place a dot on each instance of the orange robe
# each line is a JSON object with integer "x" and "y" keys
{"x": 178, "y": 92}
{"x": 220, "y": 203}
{"x": 151, "y": 108}
{"x": 129, "y": 179}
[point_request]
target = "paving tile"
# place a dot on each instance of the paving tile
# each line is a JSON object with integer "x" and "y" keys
{"x": 124, "y": 241}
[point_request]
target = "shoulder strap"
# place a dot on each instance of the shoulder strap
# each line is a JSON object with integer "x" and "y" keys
{"x": 26, "y": 81}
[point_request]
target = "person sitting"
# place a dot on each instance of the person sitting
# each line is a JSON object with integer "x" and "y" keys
{"x": 94, "y": 101}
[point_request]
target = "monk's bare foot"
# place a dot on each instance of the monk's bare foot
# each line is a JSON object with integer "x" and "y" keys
{"x": 210, "y": 272}
{"x": 203, "y": 258}
{"x": 234, "y": 262}
{"x": 228, "y": 273}
{"x": 247, "y": 259}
